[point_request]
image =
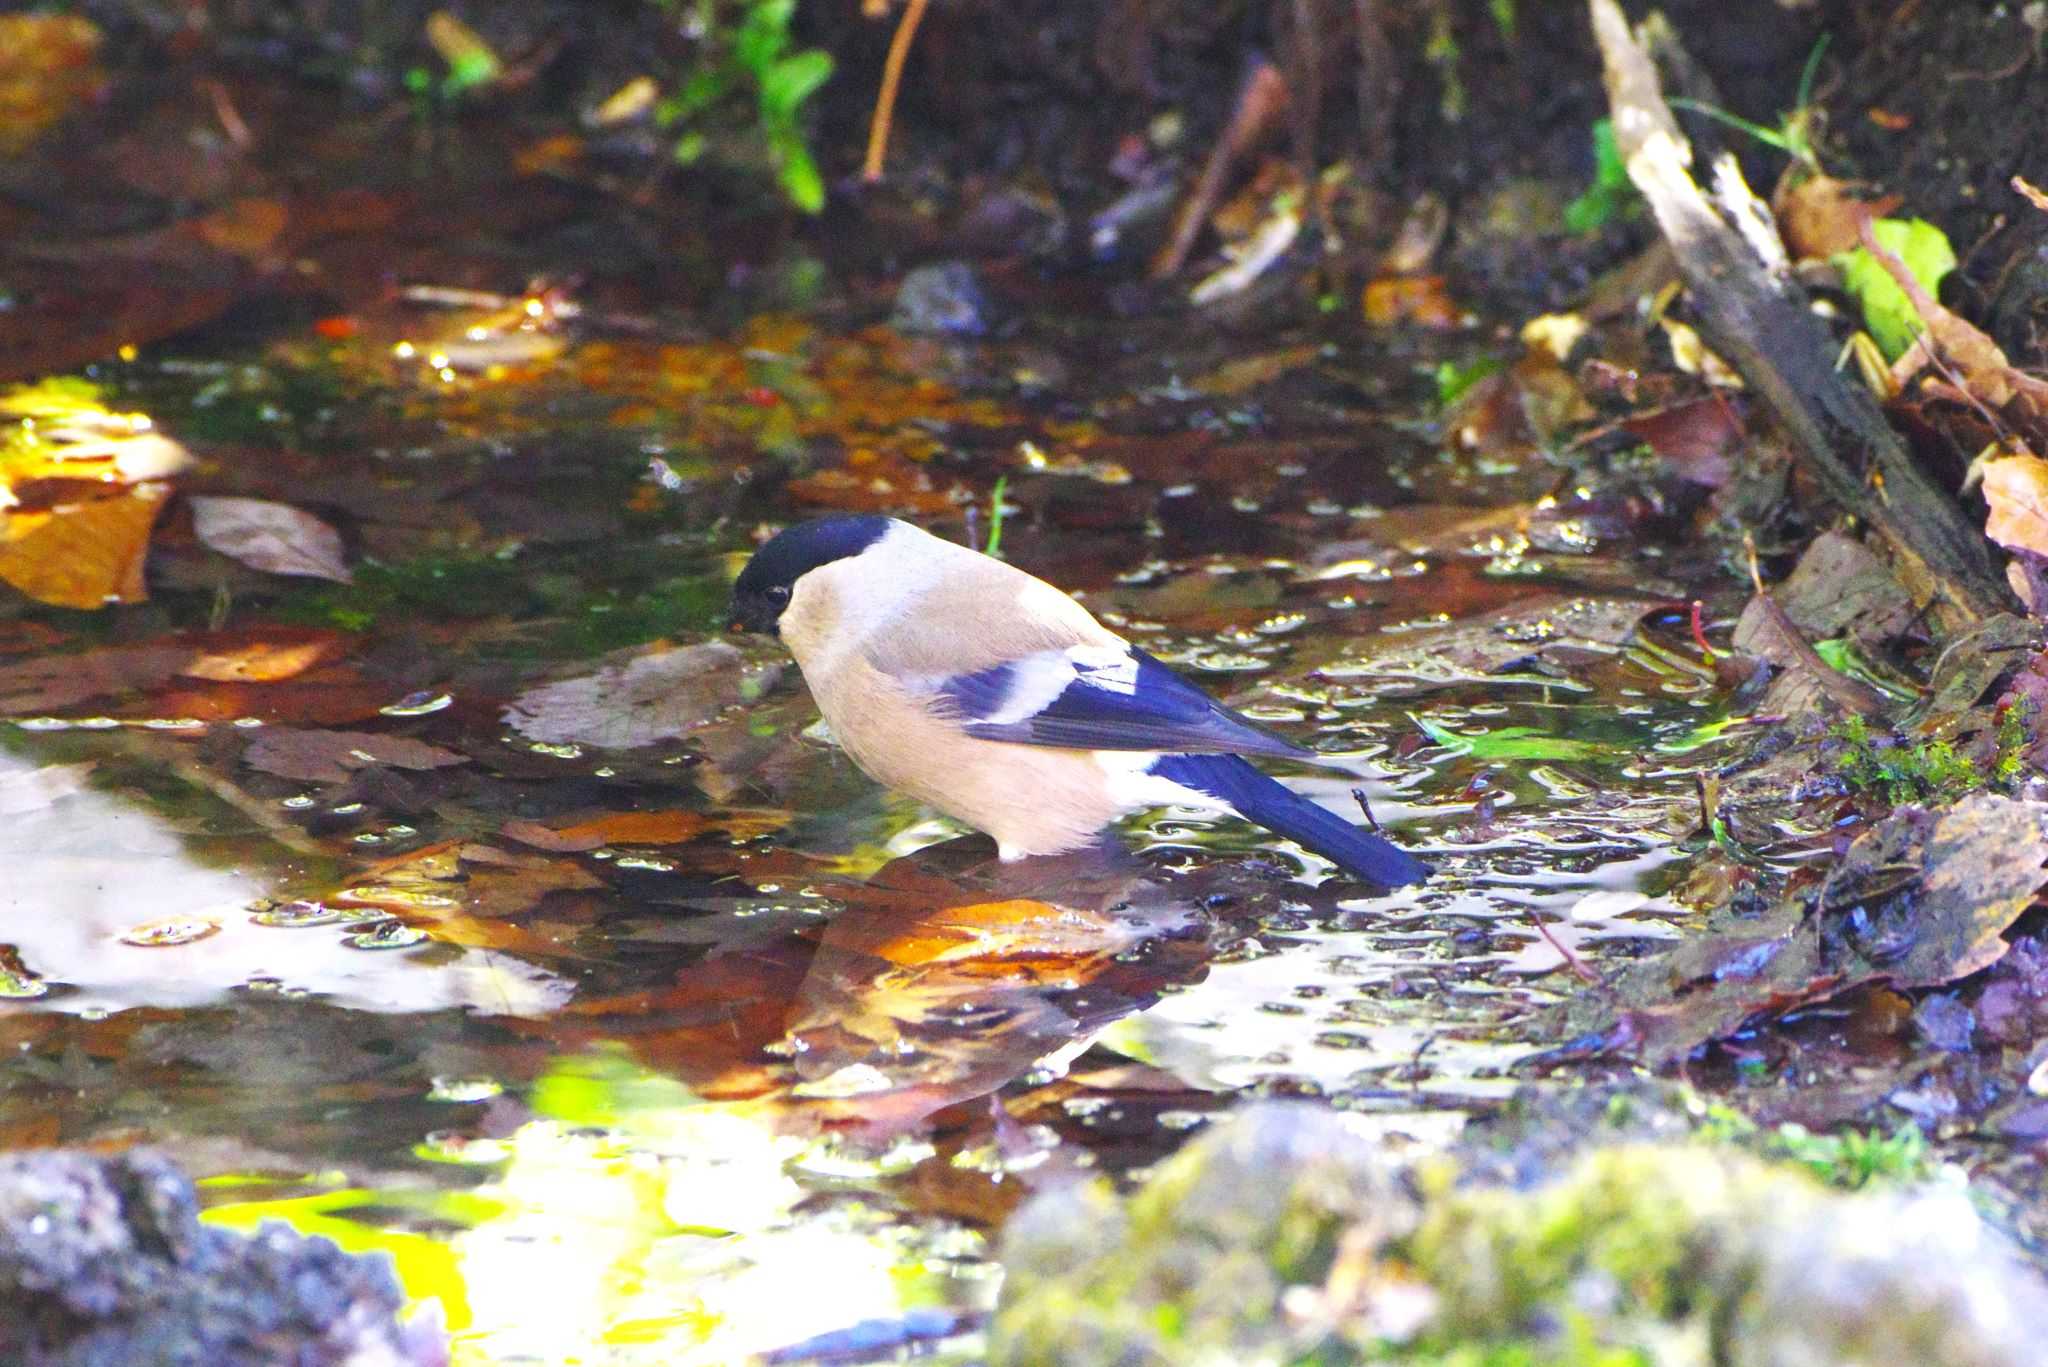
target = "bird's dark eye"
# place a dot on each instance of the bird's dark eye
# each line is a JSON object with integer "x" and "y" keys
{"x": 779, "y": 592}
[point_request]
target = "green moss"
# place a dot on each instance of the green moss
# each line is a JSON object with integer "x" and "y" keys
{"x": 1855, "y": 1158}
{"x": 1923, "y": 771}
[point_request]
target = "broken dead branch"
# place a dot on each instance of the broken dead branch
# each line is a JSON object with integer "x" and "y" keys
{"x": 1757, "y": 316}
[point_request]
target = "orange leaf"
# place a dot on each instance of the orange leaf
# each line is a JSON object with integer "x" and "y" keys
{"x": 615, "y": 828}
{"x": 262, "y": 655}
{"x": 2016, "y": 487}
{"x": 247, "y": 228}
{"x": 83, "y": 555}
{"x": 1418, "y": 299}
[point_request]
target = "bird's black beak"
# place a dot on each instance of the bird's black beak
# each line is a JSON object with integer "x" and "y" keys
{"x": 754, "y": 612}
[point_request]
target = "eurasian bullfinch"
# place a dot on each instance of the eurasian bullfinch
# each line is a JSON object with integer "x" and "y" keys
{"x": 999, "y": 700}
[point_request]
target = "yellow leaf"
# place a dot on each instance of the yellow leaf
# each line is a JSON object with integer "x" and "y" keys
{"x": 83, "y": 555}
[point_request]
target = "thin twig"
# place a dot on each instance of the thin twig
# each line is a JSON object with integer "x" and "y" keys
{"x": 1570, "y": 956}
{"x": 885, "y": 99}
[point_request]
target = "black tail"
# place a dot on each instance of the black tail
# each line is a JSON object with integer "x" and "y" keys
{"x": 1281, "y": 810}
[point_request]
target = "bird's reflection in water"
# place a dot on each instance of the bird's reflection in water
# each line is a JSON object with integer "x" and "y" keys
{"x": 954, "y": 973}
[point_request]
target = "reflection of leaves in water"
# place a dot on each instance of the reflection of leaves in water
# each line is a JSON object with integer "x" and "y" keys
{"x": 638, "y": 698}
{"x": 331, "y": 756}
{"x": 1512, "y": 742}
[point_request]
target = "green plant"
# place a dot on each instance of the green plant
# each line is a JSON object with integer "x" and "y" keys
{"x": 745, "y": 45}
{"x": 1794, "y": 135}
{"x": 995, "y": 518}
{"x": 1887, "y": 312}
{"x": 1612, "y": 194}
{"x": 1855, "y": 1158}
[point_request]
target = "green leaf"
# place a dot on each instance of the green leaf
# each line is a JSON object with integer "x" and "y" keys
{"x": 1511, "y": 742}
{"x": 800, "y": 179}
{"x": 1887, "y": 312}
{"x": 764, "y": 35}
{"x": 1610, "y": 195}
{"x": 1454, "y": 379}
{"x": 791, "y": 81}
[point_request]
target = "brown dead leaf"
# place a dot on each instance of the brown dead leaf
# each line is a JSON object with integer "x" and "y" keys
{"x": 273, "y": 537}
{"x": 638, "y": 697}
{"x": 331, "y": 756}
{"x": 874, "y": 482}
{"x": 48, "y": 682}
{"x": 615, "y": 828}
{"x": 1697, "y": 439}
{"x": 1921, "y": 899}
{"x": 83, "y": 555}
{"x": 1418, "y": 299}
{"x": 247, "y": 228}
{"x": 1822, "y": 216}
{"x": 1982, "y": 367}
{"x": 2016, "y": 488}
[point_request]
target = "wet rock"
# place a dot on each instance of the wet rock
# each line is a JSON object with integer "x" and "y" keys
{"x": 103, "y": 1262}
{"x": 1288, "y": 1235}
{"x": 1194, "y": 1266}
{"x": 942, "y": 300}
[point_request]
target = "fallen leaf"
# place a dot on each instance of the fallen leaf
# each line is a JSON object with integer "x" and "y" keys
{"x": 1838, "y": 588}
{"x": 1697, "y": 439}
{"x": 261, "y": 655}
{"x": 615, "y": 828}
{"x": 1418, "y": 299}
{"x": 641, "y": 697}
{"x": 331, "y": 756}
{"x": 1921, "y": 899}
{"x": 1821, "y": 217}
{"x": 1986, "y": 374}
{"x": 273, "y": 537}
{"x": 82, "y": 555}
{"x": 48, "y": 682}
{"x": 247, "y": 228}
{"x": 2016, "y": 488}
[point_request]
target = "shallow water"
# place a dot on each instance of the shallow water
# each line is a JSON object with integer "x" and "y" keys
{"x": 773, "y": 1063}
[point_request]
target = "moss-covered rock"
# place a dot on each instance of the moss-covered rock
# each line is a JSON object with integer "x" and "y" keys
{"x": 1285, "y": 1237}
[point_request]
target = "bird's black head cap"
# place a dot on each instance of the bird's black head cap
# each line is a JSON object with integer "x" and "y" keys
{"x": 763, "y": 588}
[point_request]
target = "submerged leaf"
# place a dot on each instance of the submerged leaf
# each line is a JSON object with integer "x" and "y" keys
{"x": 638, "y": 699}
{"x": 331, "y": 756}
{"x": 1511, "y": 742}
{"x": 273, "y": 537}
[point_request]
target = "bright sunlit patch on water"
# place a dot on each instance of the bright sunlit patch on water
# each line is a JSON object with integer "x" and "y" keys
{"x": 638, "y": 1224}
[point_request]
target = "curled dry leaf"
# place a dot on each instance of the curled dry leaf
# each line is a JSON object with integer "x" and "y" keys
{"x": 638, "y": 698}
{"x": 2016, "y": 488}
{"x": 331, "y": 756}
{"x": 273, "y": 537}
